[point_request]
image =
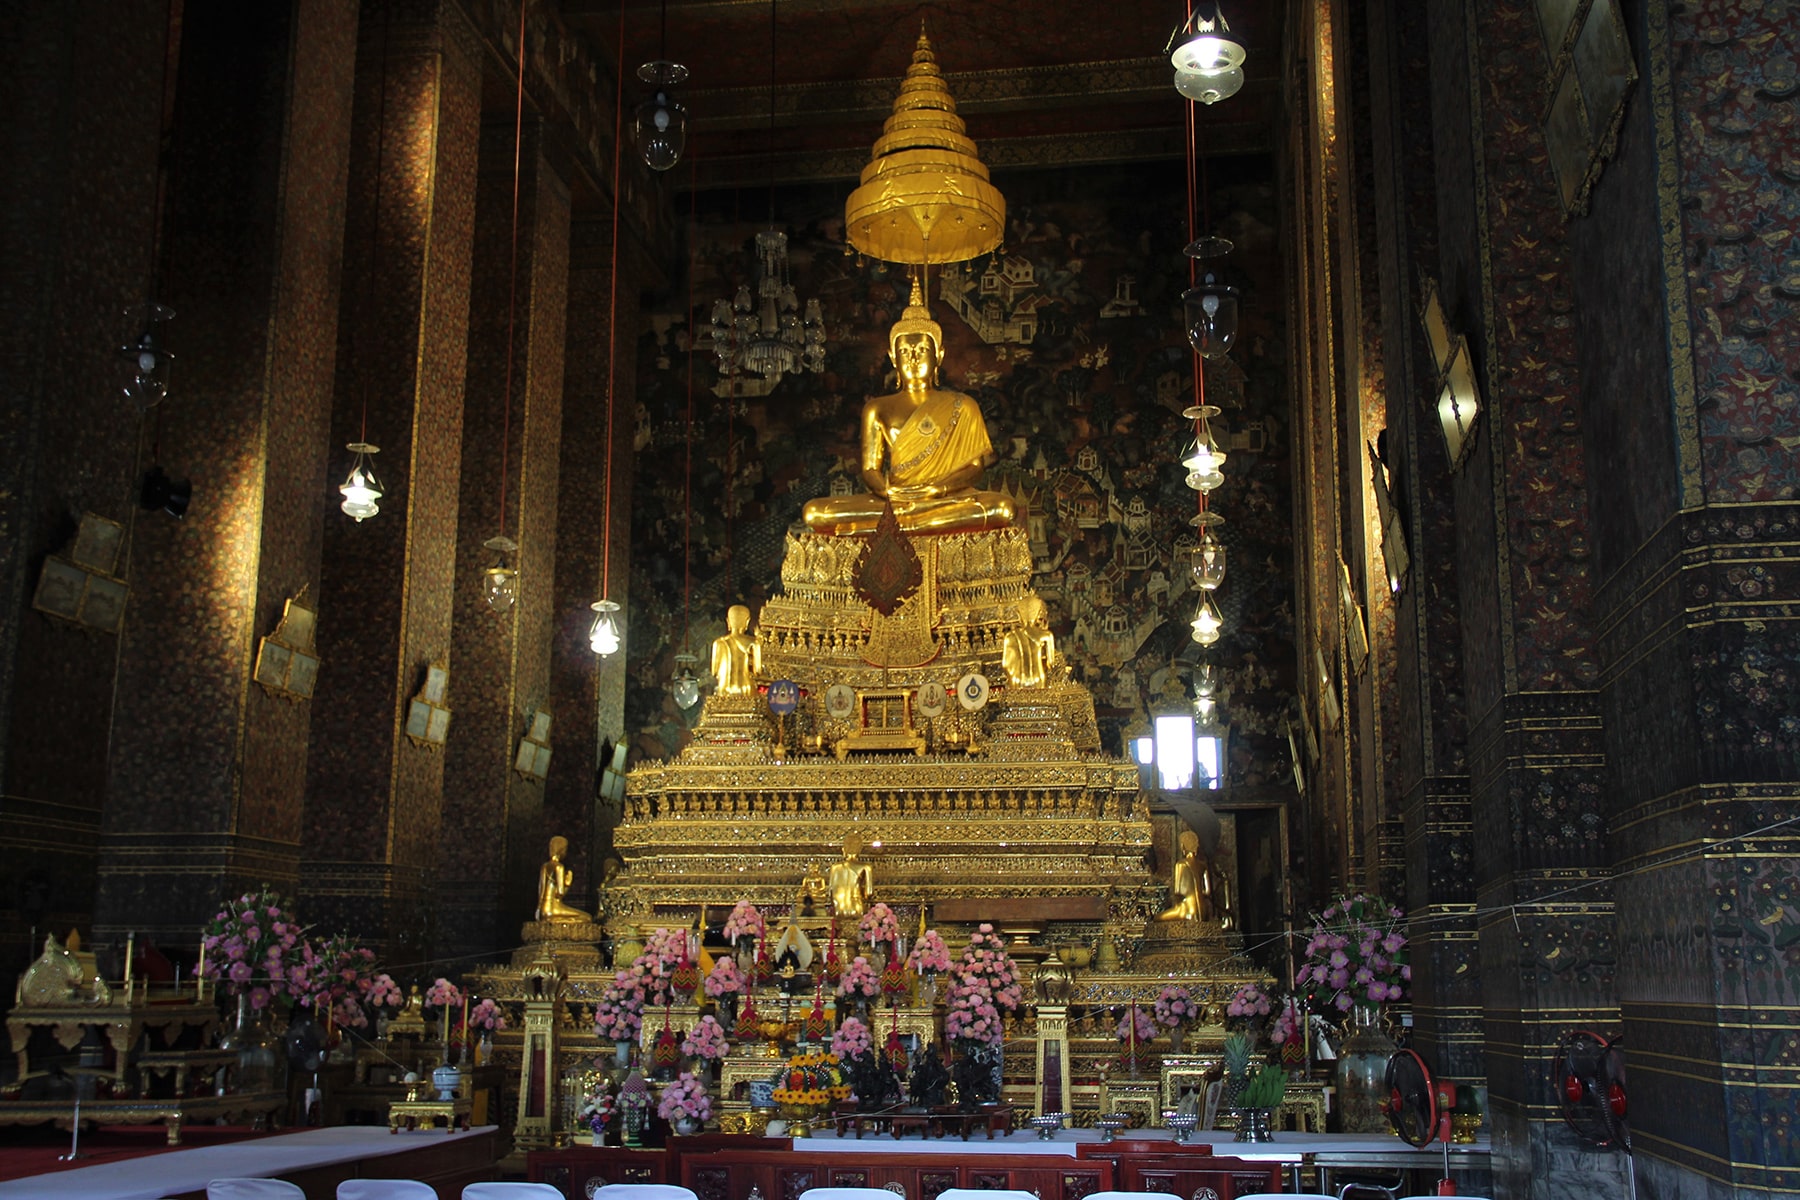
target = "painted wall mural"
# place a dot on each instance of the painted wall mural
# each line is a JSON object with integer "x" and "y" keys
{"x": 1070, "y": 338}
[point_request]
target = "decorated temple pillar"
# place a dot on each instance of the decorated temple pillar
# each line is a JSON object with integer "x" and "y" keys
{"x": 1685, "y": 268}
{"x": 1410, "y": 464}
{"x": 1526, "y": 586}
{"x": 586, "y": 694}
{"x": 79, "y": 235}
{"x": 375, "y": 773}
{"x": 493, "y": 775}
{"x": 204, "y": 794}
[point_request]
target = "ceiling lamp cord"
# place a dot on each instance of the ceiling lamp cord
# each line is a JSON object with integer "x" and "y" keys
{"x": 362, "y": 490}
{"x": 502, "y": 579}
{"x": 604, "y": 637}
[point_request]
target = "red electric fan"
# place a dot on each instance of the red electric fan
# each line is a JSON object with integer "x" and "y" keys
{"x": 1419, "y": 1107}
{"x": 1589, "y": 1077}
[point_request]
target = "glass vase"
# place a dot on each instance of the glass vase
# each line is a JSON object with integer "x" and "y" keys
{"x": 261, "y": 1058}
{"x": 1362, "y": 1073}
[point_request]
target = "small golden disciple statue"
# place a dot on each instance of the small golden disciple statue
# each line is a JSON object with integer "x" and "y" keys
{"x": 852, "y": 881}
{"x": 554, "y": 878}
{"x": 1191, "y": 884}
{"x": 812, "y": 888}
{"x": 736, "y": 657}
{"x": 923, "y": 447}
{"x": 1028, "y": 649}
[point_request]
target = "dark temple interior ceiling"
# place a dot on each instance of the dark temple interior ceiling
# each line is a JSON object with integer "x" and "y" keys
{"x": 1040, "y": 82}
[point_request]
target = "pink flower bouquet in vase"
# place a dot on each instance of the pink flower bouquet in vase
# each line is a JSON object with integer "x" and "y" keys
{"x": 685, "y": 1104}
{"x": 1175, "y": 1010}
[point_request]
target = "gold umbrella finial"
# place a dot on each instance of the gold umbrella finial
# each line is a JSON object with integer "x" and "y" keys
{"x": 925, "y": 195}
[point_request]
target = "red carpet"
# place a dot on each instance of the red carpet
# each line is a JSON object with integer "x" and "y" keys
{"x": 34, "y": 1151}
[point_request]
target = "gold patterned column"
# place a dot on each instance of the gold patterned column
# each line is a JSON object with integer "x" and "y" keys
{"x": 373, "y": 793}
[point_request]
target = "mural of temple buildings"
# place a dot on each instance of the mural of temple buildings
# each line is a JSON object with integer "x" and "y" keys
{"x": 1509, "y": 635}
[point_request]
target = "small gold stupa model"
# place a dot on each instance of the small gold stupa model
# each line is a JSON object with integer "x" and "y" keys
{"x": 925, "y": 196}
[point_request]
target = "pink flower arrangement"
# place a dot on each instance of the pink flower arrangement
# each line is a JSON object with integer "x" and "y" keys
{"x": 384, "y": 992}
{"x": 1248, "y": 1003}
{"x": 852, "y": 1039}
{"x": 348, "y": 1014}
{"x": 1356, "y": 955}
{"x": 744, "y": 922}
{"x": 252, "y": 945}
{"x": 443, "y": 994}
{"x": 879, "y": 926}
{"x": 972, "y": 1016}
{"x": 487, "y": 1015}
{"x": 664, "y": 950}
{"x": 1136, "y": 1019}
{"x": 1175, "y": 1007}
{"x": 985, "y": 958}
{"x": 706, "y": 1041}
{"x": 332, "y": 970}
{"x": 724, "y": 979}
{"x": 860, "y": 979}
{"x": 1287, "y": 1026}
{"x": 686, "y": 1097}
{"x": 929, "y": 954}
{"x": 620, "y": 1013}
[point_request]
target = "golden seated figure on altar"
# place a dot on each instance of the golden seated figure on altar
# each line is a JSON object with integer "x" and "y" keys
{"x": 555, "y": 919}
{"x": 923, "y": 448}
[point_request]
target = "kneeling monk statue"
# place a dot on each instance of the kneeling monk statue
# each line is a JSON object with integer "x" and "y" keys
{"x": 923, "y": 448}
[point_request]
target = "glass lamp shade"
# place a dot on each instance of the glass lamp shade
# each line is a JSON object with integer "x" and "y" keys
{"x": 150, "y": 369}
{"x": 661, "y": 124}
{"x": 685, "y": 687}
{"x": 1210, "y": 48}
{"x": 1206, "y": 694}
{"x": 361, "y": 490}
{"x": 1207, "y": 623}
{"x": 1210, "y": 87}
{"x": 500, "y": 582}
{"x": 1205, "y": 462}
{"x": 1208, "y": 562}
{"x": 603, "y": 636}
{"x": 1211, "y": 310}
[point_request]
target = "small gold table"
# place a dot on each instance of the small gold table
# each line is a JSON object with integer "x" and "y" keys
{"x": 426, "y": 1113}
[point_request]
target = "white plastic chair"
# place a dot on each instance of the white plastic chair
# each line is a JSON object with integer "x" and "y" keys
{"x": 851, "y": 1193}
{"x": 254, "y": 1189}
{"x": 649, "y": 1191}
{"x": 1124, "y": 1196}
{"x": 385, "y": 1189}
{"x": 983, "y": 1194}
{"x": 1285, "y": 1196}
{"x": 513, "y": 1191}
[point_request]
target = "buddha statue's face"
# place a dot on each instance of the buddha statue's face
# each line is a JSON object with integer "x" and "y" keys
{"x": 915, "y": 359}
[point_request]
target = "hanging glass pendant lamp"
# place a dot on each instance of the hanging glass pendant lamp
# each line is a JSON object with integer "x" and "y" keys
{"x": 361, "y": 490}
{"x": 661, "y": 124}
{"x": 1207, "y": 623}
{"x": 500, "y": 582}
{"x": 1211, "y": 309}
{"x": 148, "y": 359}
{"x": 685, "y": 687}
{"x": 603, "y": 635}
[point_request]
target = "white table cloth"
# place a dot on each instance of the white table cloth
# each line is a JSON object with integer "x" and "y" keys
{"x": 178, "y": 1171}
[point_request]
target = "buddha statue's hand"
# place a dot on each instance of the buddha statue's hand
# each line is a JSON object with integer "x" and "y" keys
{"x": 912, "y": 493}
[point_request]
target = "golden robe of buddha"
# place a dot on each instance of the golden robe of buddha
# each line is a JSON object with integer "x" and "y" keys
{"x": 736, "y": 657}
{"x": 923, "y": 448}
{"x": 852, "y": 881}
{"x": 554, "y": 878}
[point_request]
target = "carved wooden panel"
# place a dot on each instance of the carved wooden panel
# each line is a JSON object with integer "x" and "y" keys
{"x": 712, "y": 1183}
{"x": 850, "y": 1177}
{"x": 989, "y": 1181}
{"x": 1079, "y": 1185}
{"x": 933, "y": 1182}
{"x": 792, "y": 1181}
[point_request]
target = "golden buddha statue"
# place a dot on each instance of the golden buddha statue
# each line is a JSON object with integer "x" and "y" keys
{"x": 1028, "y": 649}
{"x": 812, "y": 888}
{"x": 554, "y": 878}
{"x": 1190, "y": 883}
{"x": 852, "y": 881}
{"x": 923, "y": 448}
{"x": 736, "y": 657}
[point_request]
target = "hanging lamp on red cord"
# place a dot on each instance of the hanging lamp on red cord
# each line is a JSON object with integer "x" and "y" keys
{"x": 500, "y": 582}
{"x": 361, "y": 490}
{"x": 605, "y": 636}
{"x": 685, "y": 686}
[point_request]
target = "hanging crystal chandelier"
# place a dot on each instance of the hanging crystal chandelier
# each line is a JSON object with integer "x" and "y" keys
{"x": 771, "y": 334}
